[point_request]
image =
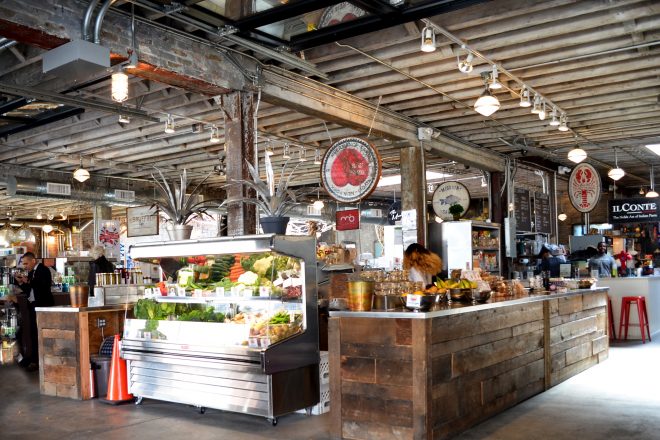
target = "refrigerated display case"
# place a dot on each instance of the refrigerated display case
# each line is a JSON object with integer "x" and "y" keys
{"x": 471, "y": 243}
{"x": 237, "y": 329}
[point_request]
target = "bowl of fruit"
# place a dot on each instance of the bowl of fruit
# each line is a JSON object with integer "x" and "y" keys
{"x": 418, "y": 301}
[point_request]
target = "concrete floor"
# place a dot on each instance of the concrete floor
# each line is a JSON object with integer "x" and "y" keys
{"x": 619, "y": 399}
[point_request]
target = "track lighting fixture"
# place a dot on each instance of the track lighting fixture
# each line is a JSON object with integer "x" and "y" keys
{"x": 428, "y": 39}
{"x": 577, "y": 154}
{"x": 123, "y": 119}
{"x": 465, "y": 66}
{"x": 269, "y": 148}
{"x": 483, "y": 182}
{"x": 524, "y": 97}
{"x": 286, "y": 155}
{"x": 215, "y": 135}
{"x": 495, "y": 83}
{"x": 63, "y": 215}
{"x": 39, "y": 215}
{"x": 652, "y": 192}
{"x": 542, "y": 112}
{"x": 562, "y": 123}
{"x": 317, "y": 157}
{"x": 302, "y": 155}
{"x": 169, "y": 124}
{"x": 555, "y": 120}
{"x": 81, "y": 174}
{"x": 487, "y": 104}
{"x": 616, "y": 173}
{"x": 119, "y": 87}
{"x": 536, "y": 109}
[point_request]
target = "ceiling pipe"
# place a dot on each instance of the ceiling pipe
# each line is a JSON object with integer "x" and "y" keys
{"x": 87, "y": 19}
{"x": 7, "y": 44}
{"x": 99, "y": 20}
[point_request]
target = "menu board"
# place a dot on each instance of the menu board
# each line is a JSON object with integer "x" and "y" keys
{"x": 523, "y": 210}
{"x": 542, "y": 214}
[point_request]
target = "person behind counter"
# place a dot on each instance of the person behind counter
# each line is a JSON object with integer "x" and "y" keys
{"x": 603, "y": 262}
{"x": 99, "y": 265}
{"x": 36, "y": 288}
{"x": 551, "y": 257}
{"x": 421, "y": 263}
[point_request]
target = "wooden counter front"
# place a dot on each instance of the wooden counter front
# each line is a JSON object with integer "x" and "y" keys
{"x": 67, "y": 338}
{"x": 433, "y": 375}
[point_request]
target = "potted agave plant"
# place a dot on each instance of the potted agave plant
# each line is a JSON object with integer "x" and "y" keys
{"x": 274, "y": 200}
{"x": 178, "y": 205}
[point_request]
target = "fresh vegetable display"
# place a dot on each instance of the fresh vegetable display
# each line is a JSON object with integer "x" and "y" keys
{"x": 152, "y": 310}
{"x": 280, "y": 317}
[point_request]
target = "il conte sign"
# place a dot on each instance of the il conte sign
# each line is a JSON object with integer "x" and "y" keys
{"x": 633, "y": 211}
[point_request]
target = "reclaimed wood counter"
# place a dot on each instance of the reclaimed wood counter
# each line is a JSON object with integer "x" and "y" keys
{"x": 406, "y": 375}
{"x": 67, "y": 337}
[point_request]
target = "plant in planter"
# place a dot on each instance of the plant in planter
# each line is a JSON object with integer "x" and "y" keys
{"x": 179, "y": 205}
{"x": 456, "y": 210}
{"x": 274, "y": 200}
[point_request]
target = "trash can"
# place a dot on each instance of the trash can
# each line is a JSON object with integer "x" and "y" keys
{"x": 101, "y": 367}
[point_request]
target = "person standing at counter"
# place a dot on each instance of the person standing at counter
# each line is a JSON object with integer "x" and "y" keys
{"x": 36, "y": 288}
{"x": 551, "y": 257}
{"x": 603, "y": 262}
{"x": 421, "y": 263}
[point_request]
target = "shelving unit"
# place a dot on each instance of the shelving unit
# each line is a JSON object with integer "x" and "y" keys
{"x": 472, "y": 243}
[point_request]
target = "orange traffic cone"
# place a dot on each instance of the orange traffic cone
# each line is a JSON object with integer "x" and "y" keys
{"x": 118, "y": 379}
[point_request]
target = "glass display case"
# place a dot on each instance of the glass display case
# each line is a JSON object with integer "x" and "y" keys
{"x": 471, "y": 244}
{"x": 235, "y": 327}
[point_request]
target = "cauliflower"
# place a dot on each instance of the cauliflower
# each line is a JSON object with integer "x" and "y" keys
{"x": 262, "y": 265}
{"x": 248, "y": 278}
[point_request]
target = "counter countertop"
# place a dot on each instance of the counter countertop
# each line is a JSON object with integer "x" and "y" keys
{"x": 457, "y": 307}
{"x": 69, "y": 309}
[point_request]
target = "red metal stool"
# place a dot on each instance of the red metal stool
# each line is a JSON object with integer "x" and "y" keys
{"x": 641, "y": 312}
{"x": 610, "y": 319}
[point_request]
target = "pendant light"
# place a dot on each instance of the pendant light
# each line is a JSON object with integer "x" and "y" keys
{"x": 428, "y": 39}
{"x": 577, "y": 154}
{"x": 487, "y": 104}
{"x": 652, "y": 192}
{"x": 495, "y": 83}
{"x": 119, "y": 87}
{"x": 81, "y": 174}
{"x": 524, "y": 97}
{"x": 169, "y": 124}
{"x": 318, "y": 203}
{"x": 47, "y": 228}
{"x": 616, "y": 173}
{"x": 561, "y": 217}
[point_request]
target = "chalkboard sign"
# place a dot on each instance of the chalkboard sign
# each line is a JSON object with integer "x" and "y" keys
{"x": 523, "y": 210}
{"x": 542, "y": 214}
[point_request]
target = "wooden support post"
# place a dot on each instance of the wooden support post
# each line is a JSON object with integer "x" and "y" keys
{"x": 239, "y": 143}
{"x": 413, "y": 187}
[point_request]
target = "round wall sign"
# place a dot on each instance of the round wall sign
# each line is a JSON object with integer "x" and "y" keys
{"x": 584, "y": 187}
{"x": 448, "y": 193}
{"x": 350, "y": 170}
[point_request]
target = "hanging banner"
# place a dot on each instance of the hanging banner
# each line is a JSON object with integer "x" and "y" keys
{"x": 348, "y": 220}
{"x": 584, "y": 187}
{"x": 394, "y": 213}
{"x": 109, "y": 232}
{"x": 632, "y": 211}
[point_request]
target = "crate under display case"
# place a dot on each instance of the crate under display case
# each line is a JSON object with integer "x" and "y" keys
{"x": 236, "y": 329}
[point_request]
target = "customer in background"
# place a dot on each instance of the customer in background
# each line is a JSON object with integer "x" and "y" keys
{"x": 421, "y": 263}
{"x": 551, "y": 257}
{"x": 99, "y": 265}
{"x": 603, "y": 262}
{"x": 35, "y": 287}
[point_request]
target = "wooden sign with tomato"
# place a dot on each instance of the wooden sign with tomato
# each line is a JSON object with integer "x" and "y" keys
{"x": 350, "y": 170}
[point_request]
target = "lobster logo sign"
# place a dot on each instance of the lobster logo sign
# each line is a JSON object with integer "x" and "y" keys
{"x": 584, "y": 187}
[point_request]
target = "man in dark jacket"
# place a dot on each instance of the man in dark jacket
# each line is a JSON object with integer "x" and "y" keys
{"x": 36, "y": 288}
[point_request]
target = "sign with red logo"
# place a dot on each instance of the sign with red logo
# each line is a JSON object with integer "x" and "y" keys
{"x": 584, "y": 187}
{"x": 348, "y": 220}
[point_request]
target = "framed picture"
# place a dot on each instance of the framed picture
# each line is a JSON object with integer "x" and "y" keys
{"x": 142, "y": 221}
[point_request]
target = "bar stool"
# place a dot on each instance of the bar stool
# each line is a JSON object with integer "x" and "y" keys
{"x": 640, "y": 301}
{"x": 610, "y": 319}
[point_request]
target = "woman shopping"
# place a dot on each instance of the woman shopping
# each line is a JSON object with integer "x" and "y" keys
{"x": 421, "y": 263}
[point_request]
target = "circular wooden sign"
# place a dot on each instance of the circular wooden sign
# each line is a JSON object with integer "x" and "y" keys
{"x": 584, "y": 187}
{"x": 448, "y": 193}
{"x": 350, "y": 170}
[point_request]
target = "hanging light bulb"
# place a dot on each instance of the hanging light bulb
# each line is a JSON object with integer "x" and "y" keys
{"x": 577, "y": 155}
{"x": 542, "y": 112}
{"x": 47, "y": 228}
{"x": 169, "y": 124}
{"x": 555, "y": 119}
{"x": 302, "y": 155}
{"x": 317, "y": 157}
{"x": 465, "y": 66}
{"x": 123, "y": 119}
{"x": 524, "y": 97}
{"x": 562, "y": 123}
{"x": 652, "y": 192}
{"x": 562, "y": 217}
{"x": 537, "y": 104}
{"x": 285, "y": 154}
{"x": 119, "y": 87}
{"x": 318, "y": 203}
{"x": 39, "y": 215}
{"x": 616, "y": 173}
{"x": 495, "y": 84}
{"x": 269, "y": 148}
{"x": 487, "y": 104}
{"x": 641, "y": 191}
{"x": 215, "y": 135}
{"x": 428, "y": 39}
{"x": 81, "y": 174}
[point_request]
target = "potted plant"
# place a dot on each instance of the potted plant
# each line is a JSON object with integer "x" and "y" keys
{"x": 179, "y": 205}
{"x": 456, "y": 210}
{"x": 273, "y": 199}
